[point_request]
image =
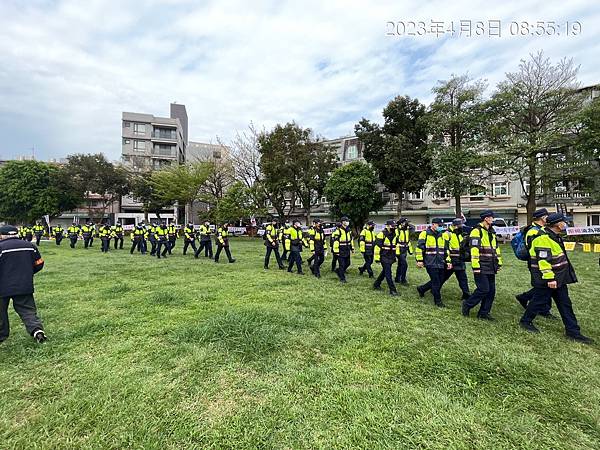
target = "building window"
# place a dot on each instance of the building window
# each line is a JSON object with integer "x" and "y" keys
{"x": 165, "y": 133}
{"x": 140, "y": 146}
{"x": 139, "y": 128}
{"x": 126, "y": 124}
{"x": 298, "y": 202}
{"x": 477, "y": 193}
{"x": 593, "y": 219}
{"x": 416, "y": 195}
{"x": 216, "y": 154}
{"x": 352, "y": 152}
{"x": 323, "y": 200}
{"x": 500, "y": 189}
{"x": 126, "y": 141}
{"x": 538, "y": 191}
{"x": 441, "y": 195}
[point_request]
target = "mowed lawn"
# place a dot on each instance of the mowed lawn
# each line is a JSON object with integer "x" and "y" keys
{"x": 184, "y": 353}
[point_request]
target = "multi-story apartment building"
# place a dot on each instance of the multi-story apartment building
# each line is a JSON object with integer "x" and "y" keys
{"x": 503, "y": 195}
{"x": 152, "y": 143}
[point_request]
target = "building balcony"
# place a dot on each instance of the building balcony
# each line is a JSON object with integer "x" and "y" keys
{"x": 161, "y": 137}
{"x": 164, "y": 153}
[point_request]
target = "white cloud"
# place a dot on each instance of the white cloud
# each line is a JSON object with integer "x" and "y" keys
{"x": 70, "y": 68}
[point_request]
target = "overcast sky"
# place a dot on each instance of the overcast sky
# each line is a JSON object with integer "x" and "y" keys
{"x": 69, "y": 68}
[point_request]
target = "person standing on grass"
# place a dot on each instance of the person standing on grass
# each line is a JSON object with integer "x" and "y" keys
{"x": 19, "y": 261}
{"x": 117, "y": 231}
{"x": 271, "y": 242}
{"x": 57, "y": 233}
{"x": 137, "y": 238}
{"x": 172, "y": 234}
{"x": 162, "y": 240}
{"x": 73, "y": 231}
{"x": 385, "y": 254}
{"x": 87, "y": 231}
{"x": 205, "y": 241}
{"x": 432, "y": 253}
{"x": 403, "y": 248}
{"x": 366, "y": 243}
{"x": 317, "y": 245}
{"x": 283, "y": 237}
{"x": 223, "y": 242}
{"x": 38, "y": 232}
{"x": 486, "y": 261}
{"x": 189, "y": 235}
{"x": 294, "y": 244}
{"x": 551, "y": 274}
{"x": 105, "y": 235}
{"x": 343, "y": 247}
{"x": 539, "y": 222}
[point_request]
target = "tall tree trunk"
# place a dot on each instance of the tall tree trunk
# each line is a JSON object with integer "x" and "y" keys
{"x": 399, "y": 205}
{"x": 458, "y": 204}
{"x": 308, "y": 211}
{"x": 532, "y": 188}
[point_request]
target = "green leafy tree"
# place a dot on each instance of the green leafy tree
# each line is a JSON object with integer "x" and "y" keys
{"x": 236, "y": 204}
{"x": 94, "y": 174}
{"x": 584, "y": 156}
{"x": 143, "y": 190}
{"x": 296, "y": 165}
{"x": 397, "y": 150}
{"x": 352, "y": 191}
{"x": 455, "y": 122}
{"x": 530, "y": 122}
{"x": 183, "y": 184}
{"x": 32, "y": 189}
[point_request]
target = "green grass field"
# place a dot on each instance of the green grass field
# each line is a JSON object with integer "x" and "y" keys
{"x": 184, "y": 353}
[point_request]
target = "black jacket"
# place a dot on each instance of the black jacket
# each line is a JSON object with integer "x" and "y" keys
{"x": 19, "y": 260}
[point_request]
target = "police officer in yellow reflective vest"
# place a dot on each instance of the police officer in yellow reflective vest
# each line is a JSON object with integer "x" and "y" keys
{"x": 117, "y": 232}
{"x": 271, "y": 241}
{"x": 189, "y": 235}
{"x": 332, "y": 238}
{"x": 366, "y": 244}
{"x": 539, "y": 222}
{"x": 223, "y": 242}
{"x": 26, "y": 233}
{"x": 385, "y": 253}
{"x": 205, "y": 241}
{"x": 283, "y": 238}
{"x": 343, "y": 246}
{"x": 317, "y": 244}
{"x": 486, "y": 261}
{"x": 73, "y": 231}
{"x": 432, "y": 253}
{"x": 38, "y": 232}
{"x": 105, "y": 235}
{"x": 403, "y": 248}
{"x": 86, "y": 231}
{"x": 162, "y": 240}
{"x": 294, "y": 243}
{"x": 172, "y": 233}
{"x": 552, "y": 272}
{"x": 455, "y": 238}
{"x": 58, "y": 233}
{"x": 152, "y": 237}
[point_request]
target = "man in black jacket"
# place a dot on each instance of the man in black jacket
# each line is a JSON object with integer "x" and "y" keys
{"x": 19, "y": 260}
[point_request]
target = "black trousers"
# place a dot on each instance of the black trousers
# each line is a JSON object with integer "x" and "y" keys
{"x": 153, "y": 248}
{"x": 436, "y": 280}
{"x": 162, "y": 245}
{"x": 73, "y": 240}
{"x": 317, "y": 259}
{"x": 366, "y": 267}
{"x": 87, "y": 241}
{"x": 58, "y": 239}
{"x": 334, "y": 260}
{"x": 402, "y": 267}
{"x": 563, "y": 303}
{"x": 343, "y": 264}
{"x": 386, "y": 272}
{"x": 38, "y": 238}
{"x": 295, "y": 258}
{"x": 528, "y": 296}
{"x": 208, "y": 250}
{"x": 227, "y": 252}
{"x": 105, "y": 244}
{"x": 118, "y": 241}
{"x": 25, "y": 307}
{"x": 271, "y": 249}
{"x": 172, "y": 241}
{"x": 284, "y": 255}
{"x": 91, "y": 240}
{"x": 139, "y": 244}
{"x": 484, "y": 293}
{"x": 461, "y": 277}
{"x": 188, "y": 243}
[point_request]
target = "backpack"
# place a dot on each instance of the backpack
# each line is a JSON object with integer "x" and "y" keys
{"x": 465, "y": 249}
{"x": 519, "y": 244}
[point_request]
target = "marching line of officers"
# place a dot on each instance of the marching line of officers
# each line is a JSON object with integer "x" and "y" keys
{"x": 162, "y": 238}
{"x": 443, "y": 253}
